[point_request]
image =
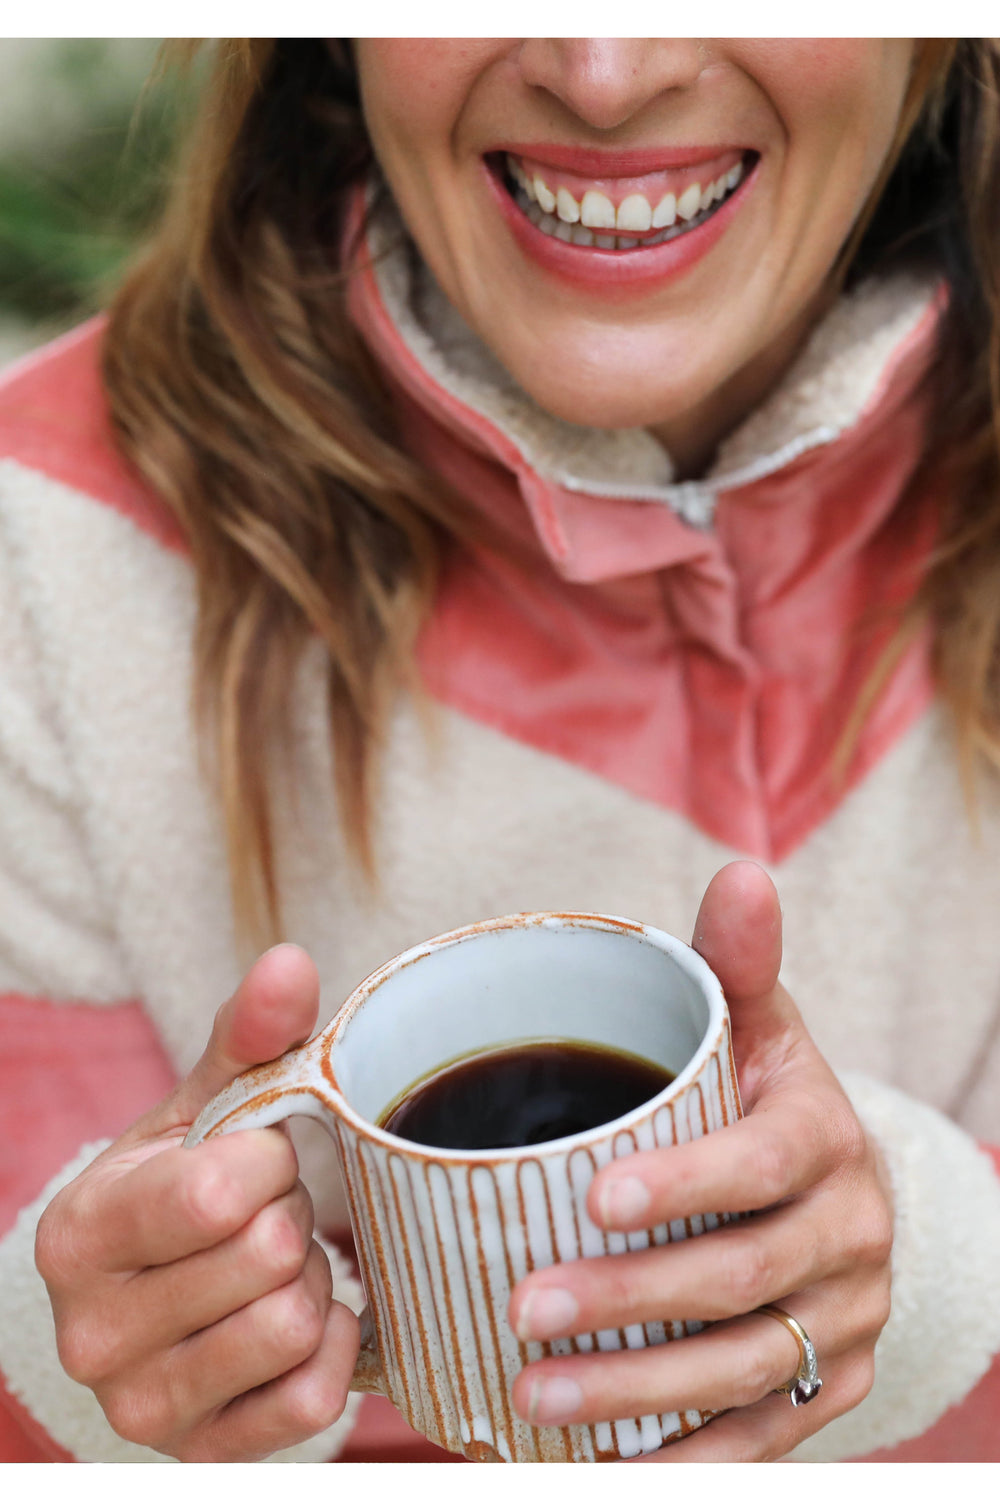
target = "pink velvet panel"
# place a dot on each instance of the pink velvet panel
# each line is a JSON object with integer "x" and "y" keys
{"x": 710, "y": 671}
{"x": 54, "y": 418}
{"x": 69, "y": 1074}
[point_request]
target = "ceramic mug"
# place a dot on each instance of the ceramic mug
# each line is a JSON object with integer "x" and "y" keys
{"x": 443, "y": 1236}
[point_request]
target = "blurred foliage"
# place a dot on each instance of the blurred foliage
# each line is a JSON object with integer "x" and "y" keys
{"x": 76, "y": 194}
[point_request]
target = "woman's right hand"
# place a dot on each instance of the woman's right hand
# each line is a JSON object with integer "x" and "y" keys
{"x": 187, "y": 1289}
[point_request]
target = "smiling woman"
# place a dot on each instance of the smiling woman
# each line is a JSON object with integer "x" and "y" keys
{"x": 625, "y": 128}
{"x": 550, "y": 469}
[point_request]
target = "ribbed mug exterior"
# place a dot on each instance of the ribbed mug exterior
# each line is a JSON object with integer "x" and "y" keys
{"x": 442, "y": 1246}
{"x": 443, "y": 1237}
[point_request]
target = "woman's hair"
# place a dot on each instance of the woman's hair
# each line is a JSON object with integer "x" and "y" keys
{"x": 240, "y": 390}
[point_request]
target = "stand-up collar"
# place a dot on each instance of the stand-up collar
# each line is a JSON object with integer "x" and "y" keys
{"x": 728, "y": 623}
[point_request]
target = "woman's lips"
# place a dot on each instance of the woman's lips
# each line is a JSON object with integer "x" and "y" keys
{"x": 610, "y": 209}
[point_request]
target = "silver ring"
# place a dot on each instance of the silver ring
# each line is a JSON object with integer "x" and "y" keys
{"x": 805, "y": 1383}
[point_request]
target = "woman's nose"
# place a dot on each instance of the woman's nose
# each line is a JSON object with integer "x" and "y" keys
{"x": 606, "y": 81}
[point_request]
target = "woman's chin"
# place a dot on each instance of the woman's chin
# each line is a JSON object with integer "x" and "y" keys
{"x": 613, "y": 403}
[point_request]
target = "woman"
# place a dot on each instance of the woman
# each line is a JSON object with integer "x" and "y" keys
{"x": 583, "y": 456}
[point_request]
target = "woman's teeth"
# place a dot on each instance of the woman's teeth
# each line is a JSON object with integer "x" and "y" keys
{"x": 595, "y": 221}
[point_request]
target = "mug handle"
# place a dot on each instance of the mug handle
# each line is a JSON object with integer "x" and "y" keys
{"x": 293, "y": 1084}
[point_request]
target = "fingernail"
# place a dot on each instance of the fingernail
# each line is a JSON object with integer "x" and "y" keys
{"x": 547, "y": 1313}
{"x": 554, "y": 1400}
{"x": 622, "y": 1202}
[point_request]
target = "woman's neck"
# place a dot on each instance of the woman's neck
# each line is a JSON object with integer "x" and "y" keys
{"x": 692, "y": 439}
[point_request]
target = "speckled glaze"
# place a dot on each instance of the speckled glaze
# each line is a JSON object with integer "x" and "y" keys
{"x": 444, "y": 1236}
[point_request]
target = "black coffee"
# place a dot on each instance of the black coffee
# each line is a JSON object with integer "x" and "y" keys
{"x": 523, "y": 1094}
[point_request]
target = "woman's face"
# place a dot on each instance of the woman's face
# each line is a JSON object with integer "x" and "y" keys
{"x": 641, "y": 230}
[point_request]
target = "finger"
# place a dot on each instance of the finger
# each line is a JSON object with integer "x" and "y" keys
{"x": 731, "y": 1364}
{"x": 707, "y": 1278}
{"x": 773, "y": 1427}
{"x": 254, "y": 1345}
{"x": 274, "y": 1008}
{"x": 166, "y": 1304}
{"x": 288, "y": 1410}
{"x": 738, "y": 931}
{"x": 166, "y": 1400}
{"x": 753, "y": 1164}
{"x": 176, "y": 1202}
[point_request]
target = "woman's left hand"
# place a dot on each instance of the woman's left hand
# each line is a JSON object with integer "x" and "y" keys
{"x": 818, "y": 1241}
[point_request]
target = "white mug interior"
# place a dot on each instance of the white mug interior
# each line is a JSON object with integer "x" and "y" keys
{"x": 580, "y": 978}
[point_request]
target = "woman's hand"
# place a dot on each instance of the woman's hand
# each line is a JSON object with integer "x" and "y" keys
{"x": 818, "y": 1241}
{"x": 187, "y": 1289}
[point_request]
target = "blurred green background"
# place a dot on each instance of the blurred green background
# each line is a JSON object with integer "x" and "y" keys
{"x": 81, "y": 173}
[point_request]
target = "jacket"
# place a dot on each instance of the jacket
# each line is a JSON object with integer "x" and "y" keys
{"x": 657, "y": 682}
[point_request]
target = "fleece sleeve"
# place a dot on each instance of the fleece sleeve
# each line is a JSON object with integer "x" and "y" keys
{"x": 944, "y": 1328}
{"x": 79, "y": 1059}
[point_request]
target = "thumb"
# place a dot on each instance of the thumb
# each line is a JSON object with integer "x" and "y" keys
{"x": 738, "y": 934}
{"x": 274, "y": 1008}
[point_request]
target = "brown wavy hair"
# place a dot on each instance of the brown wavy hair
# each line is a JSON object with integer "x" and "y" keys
{"x": 241, "y": 392}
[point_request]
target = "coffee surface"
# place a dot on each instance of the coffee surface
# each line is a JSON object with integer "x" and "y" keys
{"x": 523, "y": 1094}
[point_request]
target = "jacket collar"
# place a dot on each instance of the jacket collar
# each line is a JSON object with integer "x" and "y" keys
{"x": 866, "y": 358}
{"x": 727, "y": 626}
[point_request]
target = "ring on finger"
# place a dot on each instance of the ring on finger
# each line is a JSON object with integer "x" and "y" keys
{"x": 805, "y": 1384}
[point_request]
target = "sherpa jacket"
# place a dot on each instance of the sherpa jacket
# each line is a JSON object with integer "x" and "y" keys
{"x": 658, "y": 685}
